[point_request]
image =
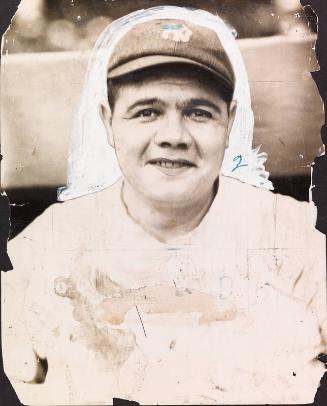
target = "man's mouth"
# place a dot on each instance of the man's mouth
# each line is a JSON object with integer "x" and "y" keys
{"x": 171, "y": 163}
{"x": 171, "y": 167}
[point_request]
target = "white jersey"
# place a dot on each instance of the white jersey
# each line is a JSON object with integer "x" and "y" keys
{"x": 234, "y": 312}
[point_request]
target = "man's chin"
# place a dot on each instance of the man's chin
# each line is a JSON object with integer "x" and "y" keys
{"x": 173, "y": 198}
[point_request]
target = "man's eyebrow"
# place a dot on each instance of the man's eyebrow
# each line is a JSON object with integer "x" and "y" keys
{"x": 143, "y": 102}
{"x": 194, "y": 102}
{"x": 201, "y": 102}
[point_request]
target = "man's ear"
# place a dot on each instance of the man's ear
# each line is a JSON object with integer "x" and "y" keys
{"x": 106, "y": 117}
{"x": 231, "y": 118}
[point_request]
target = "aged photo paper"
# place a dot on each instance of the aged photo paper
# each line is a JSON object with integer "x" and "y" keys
{"x": 157, "y": 157}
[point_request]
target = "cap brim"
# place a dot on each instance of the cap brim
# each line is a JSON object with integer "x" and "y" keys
{"x": 155, "y": 60}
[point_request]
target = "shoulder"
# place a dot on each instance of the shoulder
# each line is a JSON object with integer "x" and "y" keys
{"x": 295, "y": 225}
{"x": 291, "y": 222}
{"x": 285, "y": 247}
{"x": 266, "y": 220}
{"x": 66, "y": 226}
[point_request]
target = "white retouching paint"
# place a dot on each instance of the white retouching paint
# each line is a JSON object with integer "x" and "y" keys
{"x": 92, "y": 162}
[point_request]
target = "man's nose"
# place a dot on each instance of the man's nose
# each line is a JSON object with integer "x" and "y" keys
{"x": 173, "y": 133}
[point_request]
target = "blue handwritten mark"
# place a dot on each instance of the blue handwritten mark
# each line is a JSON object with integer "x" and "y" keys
{"x": 238, "y": 159}
{"x": 225, "y": 287}
{"x": 172, "y": 26}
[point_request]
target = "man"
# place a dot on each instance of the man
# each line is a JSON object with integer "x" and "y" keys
{"x": 176, "y": 284}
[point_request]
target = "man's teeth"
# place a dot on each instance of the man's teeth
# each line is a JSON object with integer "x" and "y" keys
{"x": 176, "y": 164}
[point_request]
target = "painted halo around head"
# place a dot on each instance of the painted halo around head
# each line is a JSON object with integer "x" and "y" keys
{"x": 92, "y": 162}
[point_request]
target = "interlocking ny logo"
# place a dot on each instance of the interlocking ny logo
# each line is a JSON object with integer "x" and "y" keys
{"x": 176, "y": 32}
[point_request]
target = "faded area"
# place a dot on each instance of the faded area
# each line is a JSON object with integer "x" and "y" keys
{"x": 186, "y": 323}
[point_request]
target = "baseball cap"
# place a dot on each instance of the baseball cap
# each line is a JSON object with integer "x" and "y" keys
{"x": 166, "y": 41}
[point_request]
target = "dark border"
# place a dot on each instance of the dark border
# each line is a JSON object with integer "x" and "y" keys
{"x": 7, "y": 394}
{"x": 319, "y": 174}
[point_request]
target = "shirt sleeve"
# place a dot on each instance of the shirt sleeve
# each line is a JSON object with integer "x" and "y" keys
{"x": 23, "y": 317}
{"x": 301, "y": 263}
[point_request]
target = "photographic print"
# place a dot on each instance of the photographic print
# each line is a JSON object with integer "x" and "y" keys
{"x": 157, "y": 157}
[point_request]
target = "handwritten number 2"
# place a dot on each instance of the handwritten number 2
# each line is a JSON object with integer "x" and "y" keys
{"x": 238, "y": 159}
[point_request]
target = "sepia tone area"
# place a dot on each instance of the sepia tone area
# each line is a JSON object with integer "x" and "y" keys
{"x": 176, "y": 283}
{"x": 45, "y": 53}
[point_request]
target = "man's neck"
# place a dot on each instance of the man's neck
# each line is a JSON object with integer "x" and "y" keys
{"x": 165, "y": 221}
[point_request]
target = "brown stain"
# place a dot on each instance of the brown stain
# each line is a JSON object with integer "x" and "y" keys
{"x": 105, "y": 286}
{"x": 56, "y": 331}
{"x": 115, "y": 345}
{"x": 164, "y": 299}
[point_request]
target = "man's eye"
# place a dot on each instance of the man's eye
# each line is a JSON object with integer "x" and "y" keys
{"x": 147, "y": 113}
{"x": 199, "y": 113}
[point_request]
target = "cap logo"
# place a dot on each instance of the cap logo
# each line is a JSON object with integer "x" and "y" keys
{"x": 176, "y": 32}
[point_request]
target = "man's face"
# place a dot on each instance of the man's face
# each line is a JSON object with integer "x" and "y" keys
{"x": 170, "y": 133}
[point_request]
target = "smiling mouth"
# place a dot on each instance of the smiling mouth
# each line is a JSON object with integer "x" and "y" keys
{"x": 171, "y": 163}
{"x": 172, "y": 167}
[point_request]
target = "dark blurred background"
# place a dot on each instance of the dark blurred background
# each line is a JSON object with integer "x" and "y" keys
{"x": 47, "y": 25}
{"x": 40, "y": 90}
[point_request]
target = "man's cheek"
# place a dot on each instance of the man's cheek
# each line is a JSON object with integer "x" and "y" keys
{"x": 212, "y": 151}
{"x": 216, "y": 151}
